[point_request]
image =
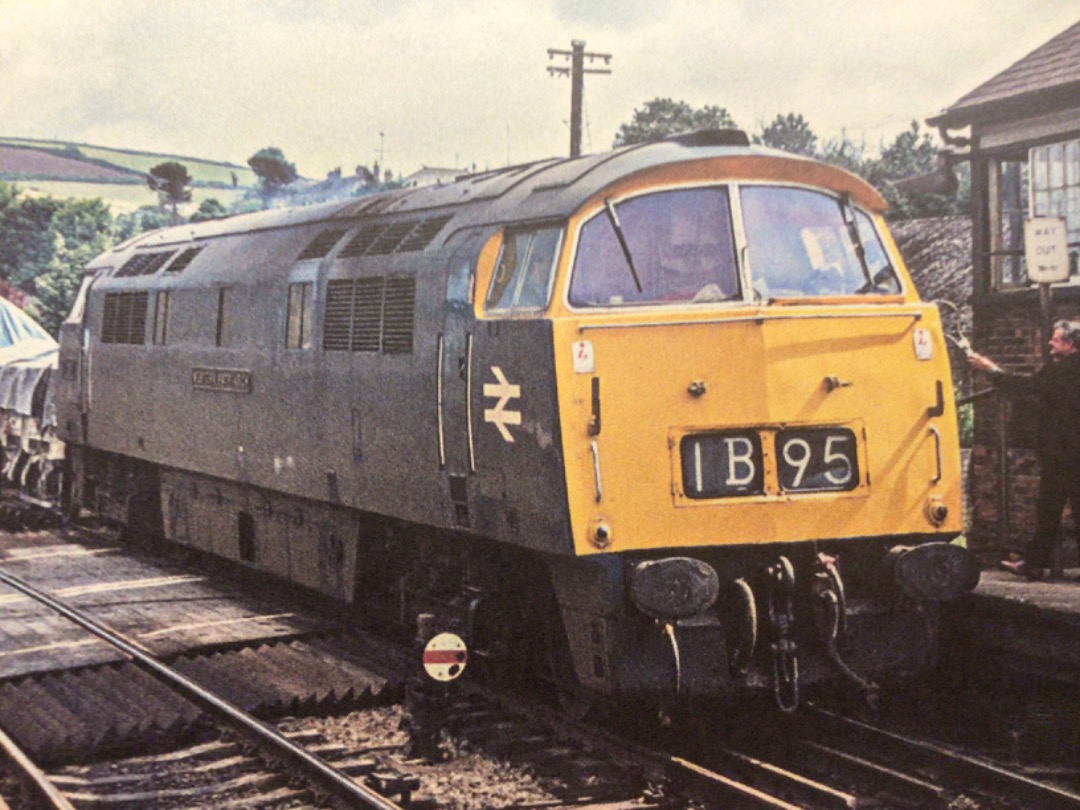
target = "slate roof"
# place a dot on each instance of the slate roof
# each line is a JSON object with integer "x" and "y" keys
{"x": 1045, "y": 79}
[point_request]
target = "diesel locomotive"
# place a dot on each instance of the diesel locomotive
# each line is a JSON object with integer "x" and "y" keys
{"x": 666, "y": 422}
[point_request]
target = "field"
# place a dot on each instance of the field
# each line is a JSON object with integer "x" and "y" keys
{"x": 122, "y": 198}
{"x": 202, "y": 171}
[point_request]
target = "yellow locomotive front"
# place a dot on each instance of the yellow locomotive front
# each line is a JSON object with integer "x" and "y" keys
{"x": 759, "y": 433}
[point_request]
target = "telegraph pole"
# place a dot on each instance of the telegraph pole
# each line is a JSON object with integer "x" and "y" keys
{"x": 576, "y": 72}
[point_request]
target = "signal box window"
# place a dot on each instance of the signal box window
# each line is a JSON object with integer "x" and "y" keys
{"x": 667, "y": 247}
{"x": 524, "y": 271}
{"x": 224, "y": 304}
{"x": 161, "y": 318}
{"x": 298, "y": 324}
{"x": 1055, "y": 190}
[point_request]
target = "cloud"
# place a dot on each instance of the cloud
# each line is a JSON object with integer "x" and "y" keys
{"x": 462, "y": 82}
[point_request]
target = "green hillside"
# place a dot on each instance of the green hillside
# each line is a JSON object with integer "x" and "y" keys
{"x": 123, "y": 198}
{"x": 203, "y": 172}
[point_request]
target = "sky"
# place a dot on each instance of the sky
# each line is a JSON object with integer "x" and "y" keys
{"x": 462, "y": 83}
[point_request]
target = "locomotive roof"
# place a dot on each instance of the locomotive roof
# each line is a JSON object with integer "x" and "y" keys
{"x": 543, "y": 190}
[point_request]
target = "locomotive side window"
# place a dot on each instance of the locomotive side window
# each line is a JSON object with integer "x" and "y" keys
{"x": 298, "y": 320}
{"x": 806, "y": 243}
{"x": 161, "y": 317}
{"x": 523, "y": 272}
{"x": 671, "y": 246}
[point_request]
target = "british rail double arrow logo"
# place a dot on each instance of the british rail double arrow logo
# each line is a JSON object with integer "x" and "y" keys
{"x": 504, "y": 392}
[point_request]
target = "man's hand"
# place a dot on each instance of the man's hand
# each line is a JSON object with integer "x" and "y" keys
{"x": 982, "y": 363}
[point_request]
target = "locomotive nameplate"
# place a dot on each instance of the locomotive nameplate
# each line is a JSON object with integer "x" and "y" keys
{"x": 229, "y": 380}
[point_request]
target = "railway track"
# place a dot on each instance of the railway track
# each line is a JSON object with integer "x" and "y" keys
{"x": 123, "y": 744}
{"x": 924, "y": 769}
{"x": 295, "y": 760}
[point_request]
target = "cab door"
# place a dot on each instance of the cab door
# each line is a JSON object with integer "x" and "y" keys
{"x": 455, "y": 379}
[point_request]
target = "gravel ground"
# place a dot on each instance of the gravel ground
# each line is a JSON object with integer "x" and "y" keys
{"x": 467, "y": 780}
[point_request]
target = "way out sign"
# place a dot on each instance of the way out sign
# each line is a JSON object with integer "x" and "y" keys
{"x": 445, "y": 657}
{"x": 1045, "y": 250}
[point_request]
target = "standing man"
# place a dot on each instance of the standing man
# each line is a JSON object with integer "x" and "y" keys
{"x": 1057, "y": 390}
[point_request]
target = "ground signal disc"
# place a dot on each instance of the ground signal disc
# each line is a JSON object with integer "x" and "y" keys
{"x": 445, "y": 657}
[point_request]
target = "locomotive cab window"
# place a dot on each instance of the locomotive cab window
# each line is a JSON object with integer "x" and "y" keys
{"x": 668, "y": 247}
{"x": 805, "y": 243}
{"x": 524, "y": 270}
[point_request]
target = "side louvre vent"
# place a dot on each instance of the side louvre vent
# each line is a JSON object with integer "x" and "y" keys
{"x": 372, "y": 314}
{"x": 398, "y": 315}
{"x": 321, "y": 245}
{"x": 124, "y": 318}
{"x": 183, "y": 260}
{"x": 367, "y": 314}
{"x": 339, "y": 300}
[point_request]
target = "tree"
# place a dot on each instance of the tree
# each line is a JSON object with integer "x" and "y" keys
{"x": 791, "y": 133}
{"x": 909, "y": 154}
{"x": 912, "y": 153}
{"x": 845, "y": 153}
{"x": 26, "y": 238}
{"x": 44, "y": 245}
{"x": 209, "y": 208}
{"x": 82, "y": 229}
{"x": 273, "y": 171}
{"x": 170, "y": 180}
{"x": 662, "y": 117}
{"x": 146, "y": 218}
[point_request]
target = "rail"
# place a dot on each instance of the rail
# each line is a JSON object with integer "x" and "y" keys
{"x": 321, "y": 775}
{"x": 1028, "y": 792}
{"x": 41, "y": 792}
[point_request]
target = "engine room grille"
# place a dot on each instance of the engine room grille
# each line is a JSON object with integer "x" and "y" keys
{"x": 391, "y": 236}
{"x": 144, "y": 264}
{"x": 370, "y": 314}
{"x": 359, "y": 244}
{"x": 420, "y": 236}
{"x": 338, "y": 322}
{"x": 400, "y": 303}
{"x": 384, "y": 238}
{"x": 183, "y": 260}
{"x": 367, "y": 314}
{"x": 321, "y": 245}
{"x": 124, "y": 318}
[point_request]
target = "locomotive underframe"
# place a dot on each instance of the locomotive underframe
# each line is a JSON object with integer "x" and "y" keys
{"x": 564, "y": 621}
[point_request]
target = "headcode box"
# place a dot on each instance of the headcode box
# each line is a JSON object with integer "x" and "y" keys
{"x": 1045, "y": 250}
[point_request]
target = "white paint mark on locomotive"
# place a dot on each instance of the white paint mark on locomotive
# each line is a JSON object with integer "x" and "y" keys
{"x": 504, "y": 392}
{"x": 281, "y": 464}
{"x": 924, "y": 348}
{"x": 584, "y": 360}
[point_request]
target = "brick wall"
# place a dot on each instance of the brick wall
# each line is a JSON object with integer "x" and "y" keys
{"x": 1007, "y": 328}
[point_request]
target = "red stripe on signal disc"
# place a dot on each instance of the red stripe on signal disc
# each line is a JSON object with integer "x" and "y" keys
{"x": 444, "y": 656}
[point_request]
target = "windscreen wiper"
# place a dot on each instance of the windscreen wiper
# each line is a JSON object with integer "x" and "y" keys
{"x": 614, "y": 219}
{"x": 847, "y": 213}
